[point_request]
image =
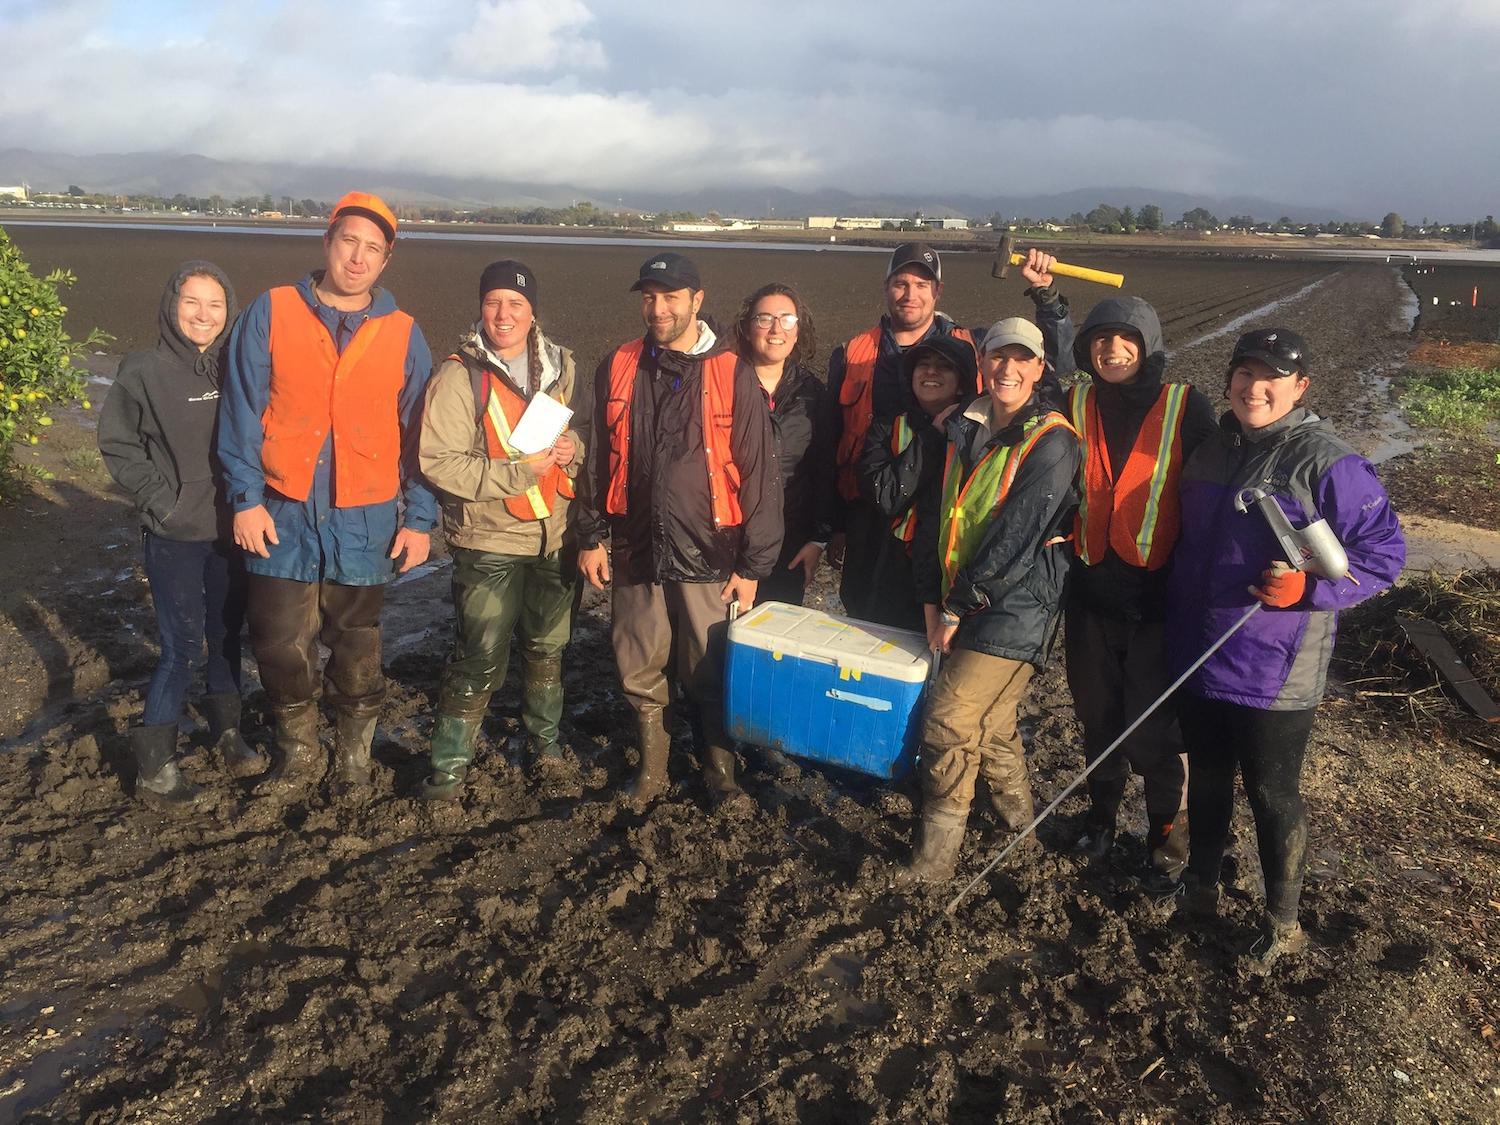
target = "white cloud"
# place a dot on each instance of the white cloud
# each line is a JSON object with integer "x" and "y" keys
{"x": 526, "y": 36}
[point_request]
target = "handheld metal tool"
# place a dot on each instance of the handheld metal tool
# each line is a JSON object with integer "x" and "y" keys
{"x": 1006, "y": 256}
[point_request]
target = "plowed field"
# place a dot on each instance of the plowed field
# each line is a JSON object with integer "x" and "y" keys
{"x": 540, "y": 952}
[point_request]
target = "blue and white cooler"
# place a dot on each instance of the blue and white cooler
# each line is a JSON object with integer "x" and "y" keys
{"x": 828, "y": 688}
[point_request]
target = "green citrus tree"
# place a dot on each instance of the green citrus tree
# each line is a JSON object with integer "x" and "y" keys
{"x": 40, "y": 364}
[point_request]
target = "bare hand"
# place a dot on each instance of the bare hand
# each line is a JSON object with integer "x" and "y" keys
{"x": 836, "y": 551}
{"x": 808, "y": 559}
{"x": 740, "y": 590}
{"x": 253, "y": 528}
{"x": 564, "y": 449}
{"x": 540, "y": 463}
{"x": 593, "y": 564}
{"x": 1038, "y": 267}
{"x": 416, "y": 545}
{"x": 939, "y": 635}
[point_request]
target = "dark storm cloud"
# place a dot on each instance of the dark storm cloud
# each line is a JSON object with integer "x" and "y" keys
{"x": 1364, "y": 106}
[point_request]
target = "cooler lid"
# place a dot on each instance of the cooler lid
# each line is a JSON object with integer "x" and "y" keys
{"x": 810, "y": 634}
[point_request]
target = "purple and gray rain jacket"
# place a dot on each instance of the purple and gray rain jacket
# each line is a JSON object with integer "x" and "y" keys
{"x": 1279, "y": 660}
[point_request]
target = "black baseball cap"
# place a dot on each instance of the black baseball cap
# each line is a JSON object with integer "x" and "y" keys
{"x": 1281, "y": 349}
{"x": 675, "y": 271}
{"x": 916, "y": 254}
{"x": 957, "y": 353}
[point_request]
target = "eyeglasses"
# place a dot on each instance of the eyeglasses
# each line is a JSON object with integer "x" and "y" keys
{"x": 788, "y": 321}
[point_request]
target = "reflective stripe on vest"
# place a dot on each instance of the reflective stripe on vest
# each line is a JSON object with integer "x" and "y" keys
{"x": 903, "y": 527}
{"x": 1138, "y": 516}
{"x": 502, "y": 411}
{"x": 857, "y": 402}
{"x": 718, "y": 427}
{"x": 970, "y": 503}
{"x": 315, "y": 391}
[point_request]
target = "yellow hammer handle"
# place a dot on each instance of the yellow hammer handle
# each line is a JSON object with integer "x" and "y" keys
{"x": 1083, "y": 273}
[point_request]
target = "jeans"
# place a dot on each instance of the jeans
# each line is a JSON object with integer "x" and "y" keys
{"x": 198, "y": 590}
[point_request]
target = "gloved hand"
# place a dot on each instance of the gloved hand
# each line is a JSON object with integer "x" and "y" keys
{"x": 1281, "y": 587}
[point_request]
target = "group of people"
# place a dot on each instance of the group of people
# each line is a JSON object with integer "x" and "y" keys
{"x": 287, "y": 462}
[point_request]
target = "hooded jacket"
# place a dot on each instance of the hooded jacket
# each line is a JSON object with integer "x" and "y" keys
{"x": 667, "y": 533}
{"x": 1277, "y": 661}
{"x": 1112, "y": 587}
{"x": 156, "y": 430}
{"x": 471, "y": 486}
{"x": 1008, "y": 594}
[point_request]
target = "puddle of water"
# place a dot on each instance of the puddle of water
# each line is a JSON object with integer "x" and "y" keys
{"x": 1254, "y": 314}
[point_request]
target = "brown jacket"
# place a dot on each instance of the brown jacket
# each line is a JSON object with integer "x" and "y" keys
{"x": 470, "y": 486}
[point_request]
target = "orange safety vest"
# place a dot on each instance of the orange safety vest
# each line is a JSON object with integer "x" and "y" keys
{"x": 903, "y": 527}
{"x": 857, "y": 402}
{"x": 718, "y": 426}
{"x": 315, "y": 391}
{"x": 1139, "y": 515}
{"x": 503, "y": 408}
{"x": 970, "y": 501}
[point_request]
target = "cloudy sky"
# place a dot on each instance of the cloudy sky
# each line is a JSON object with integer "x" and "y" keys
{"x": 1360, "y": 105}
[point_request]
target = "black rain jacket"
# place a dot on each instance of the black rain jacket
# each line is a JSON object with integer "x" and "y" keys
{"x": 667, "y": 532}
{"x": 1008, "y": 595}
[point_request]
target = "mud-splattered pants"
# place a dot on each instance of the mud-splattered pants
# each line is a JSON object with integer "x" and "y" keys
{"x": 288, "y": 619}
{"x": 497, "y": 598}
{"x": 1267, "y": 748}
{"x": 970, "y": 729}
{"x": 658, "y": 626}
{"x": 1115, "y": 671}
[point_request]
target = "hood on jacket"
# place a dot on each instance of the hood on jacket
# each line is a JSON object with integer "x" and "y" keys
{"x": 476, "y": 345}
{"x": 206, "y": 362}
{"x": 1138, "y": 316}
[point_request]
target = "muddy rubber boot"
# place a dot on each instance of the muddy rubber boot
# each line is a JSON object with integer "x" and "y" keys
{"x": 1196, "y": 899}
{"x": 936, "y": 857}
{"x": 353, "y": 735}
{"x": 1277, "y": 939}
{"x": 718, "y": 775}
{"x": 223, "y": 713}
{"x": 453, "y": 740}
{"x": 1167, "y": 847}
{"x": 1014, "y": 807}
{"x": 541, "y": 708}
{"x": 158, "y": 780}
{"x": 655, "y": 744}
{"x": 299, "y": 764}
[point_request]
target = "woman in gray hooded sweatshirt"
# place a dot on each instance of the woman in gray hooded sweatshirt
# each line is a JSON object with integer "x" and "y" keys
{"x": 156, "y": 434}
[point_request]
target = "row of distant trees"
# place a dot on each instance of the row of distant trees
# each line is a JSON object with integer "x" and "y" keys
{"x": 1103, "y": 219}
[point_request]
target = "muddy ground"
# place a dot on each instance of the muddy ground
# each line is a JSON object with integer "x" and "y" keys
{"x": 541, "y": 952}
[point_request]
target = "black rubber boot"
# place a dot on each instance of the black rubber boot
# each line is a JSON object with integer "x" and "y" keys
{"x": 299, "y": 761}
{"x": 353, "y": 735}
{"x": 718, "y": 775}
{"x": 158, "y": 780}
{"x": 453, "y": 739}
{"x": 936, "y": 858}
{"x": 655, "y": 745}
{"x": 223, "y": 713}
{"x": 1167, "y": 847}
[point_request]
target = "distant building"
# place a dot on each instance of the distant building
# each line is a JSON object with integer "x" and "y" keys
{"x": 821, "y": 222}
{"x": 862, "y": 223}
{"x": 779, "y": 224}
{"x": 20, "y": 191}
{"x": 946, "y": 224}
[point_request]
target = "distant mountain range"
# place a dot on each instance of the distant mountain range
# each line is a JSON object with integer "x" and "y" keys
{"x": 168, "y": 174}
